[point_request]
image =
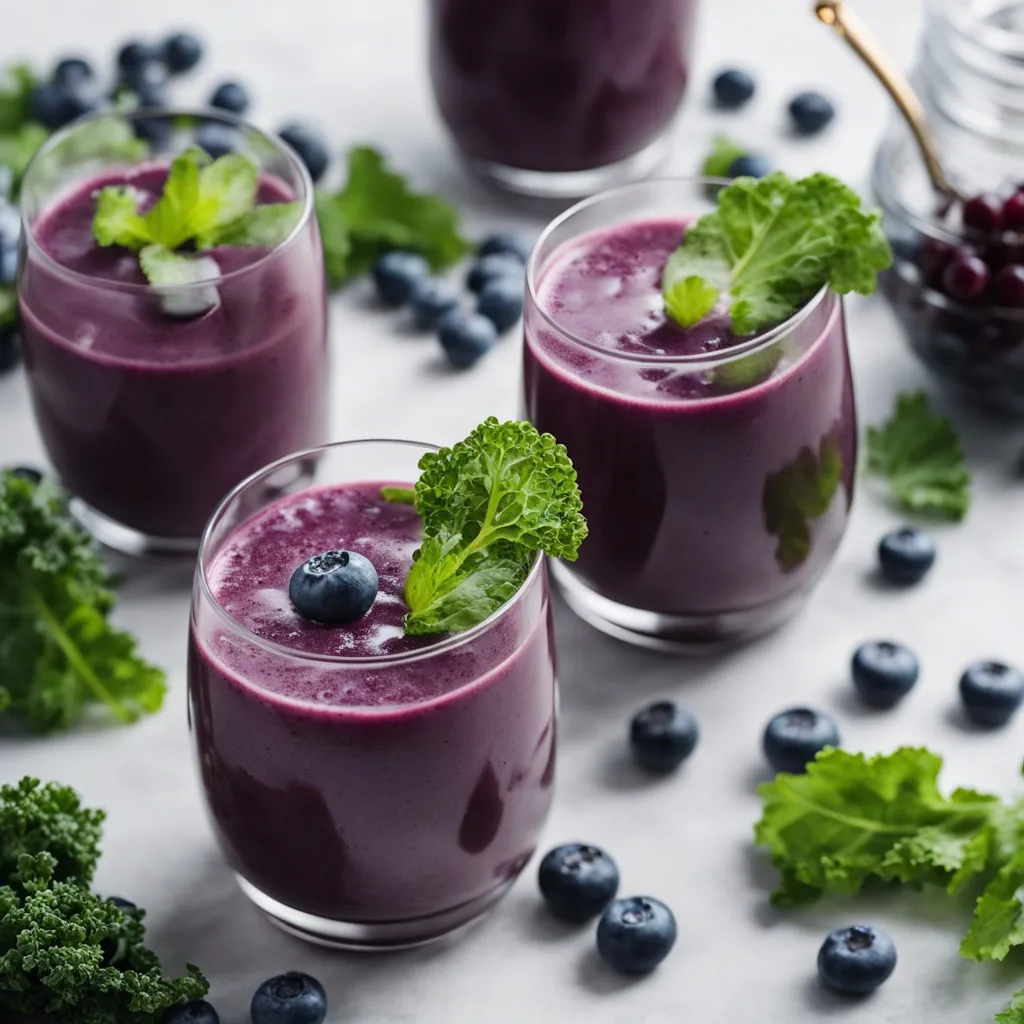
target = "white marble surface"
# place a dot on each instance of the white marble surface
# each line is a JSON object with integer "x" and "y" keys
{"x": 358, "y": 69}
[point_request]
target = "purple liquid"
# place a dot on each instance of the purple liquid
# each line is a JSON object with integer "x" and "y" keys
{"x": 150, "y": 419}
{"x": 378, "y": 792}
{"x": 691, "y": 481}
{"x": 559, "y": 85}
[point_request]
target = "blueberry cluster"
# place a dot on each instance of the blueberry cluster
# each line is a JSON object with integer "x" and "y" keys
{"x": 291, "y": 998}
{"x": 497, "y": 277}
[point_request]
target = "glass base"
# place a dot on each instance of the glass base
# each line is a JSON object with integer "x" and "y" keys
{"x": 124, "y": 539}
{"x": 373, "y": 936}
{"x": 674, "y": 634}
{"x": 572, "y": 184}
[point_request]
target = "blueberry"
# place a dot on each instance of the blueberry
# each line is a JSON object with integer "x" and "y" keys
{"x": 182, "y": 52}
{"x": 501, "y": 301}
{"x": 662, "y": 736}
{"x": 199, "y": 1011}
{"x": 70, "y": 71}
{"x": 230, "y": 96}
{"x": 577, "y": 881}
{"x": 905, "y": 555}
{"x": 506, "y": 242}
{"x": 498, "y": 264}
{"x": 10, "y": 232}
{"x": 55, "y": 105}
{"x": 34, "y": 476}
{"x": 216, "y": 138}
{"x": 135, "y": 53}
{"x": 335, "y": 588}
{"x": 793, "y": 737}
{"x": 309, "y": 144}
{"x": 395, "y": 274}
{"x": 151, "y": 94}
{"x": 884, "y": 672}
{"x": 635, "y": 934}
{"x": 750, "y": 165}
{"x": 465, "y": 338}
{"x": 991, "y": 692}
{"x": 154, "y": 130}
{"x": 430, "y": 299}
{"x": 10, "y": 347}
{"x": 856, "y": 960}
{"x": 733, "y": 88}
{"x": 146, "y": 77}
{"x": 810, "y": 112}
{"x": 291, "y": 998}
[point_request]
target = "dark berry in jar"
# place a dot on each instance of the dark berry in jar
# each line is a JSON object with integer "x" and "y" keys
{"x": 1013, "y": 212}
{"x": 984, "y": 213}
{"x": 966, "y": 278}
{"x": 933, "y": 256}
{"x": 1008, "y": 286}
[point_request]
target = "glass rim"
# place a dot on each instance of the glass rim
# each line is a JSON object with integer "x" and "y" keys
{"x": 450, "y": 642}
{"x": 695, "y": 360}
{"x": 1002, "y": 42}
{"x": 165, "y": 113}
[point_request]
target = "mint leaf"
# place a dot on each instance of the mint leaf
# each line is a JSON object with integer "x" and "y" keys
{"x": 724, "y": 153}
{"x": 376, "y": 212}
{"x": 919, "y": 453}
{"x": 172, "y": 220}
{"x": 399, "y": 495}
{"x": 227, "y": 193}
{"x": 690, "y": 300}
{"x": 798, "y": 493}
{"x": 117, "y": 220}
{"x": 262, "y": 227}
{"x": 488, "y": 504}
{"x": 773, "y": 243}
{"x": 16, "y": 84}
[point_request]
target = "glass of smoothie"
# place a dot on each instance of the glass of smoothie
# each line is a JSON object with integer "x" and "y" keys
{"x": 370, "y": 789}
{"x": 560, "y": 98}
{"x": 152, "y": 401}
{"x": 717, "y": 471}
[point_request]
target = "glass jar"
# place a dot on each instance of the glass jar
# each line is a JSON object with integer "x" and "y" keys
{"x": 716, "y": 485}
{"x": 970, "y": 77}
{"x": 154, "y": 402}
{"x": 365, "y": 799}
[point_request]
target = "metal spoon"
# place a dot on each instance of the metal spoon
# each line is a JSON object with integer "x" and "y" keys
{"x": 837, "y": 13}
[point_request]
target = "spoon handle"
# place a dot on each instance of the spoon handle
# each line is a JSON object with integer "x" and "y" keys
{"x": 837, "y": 13}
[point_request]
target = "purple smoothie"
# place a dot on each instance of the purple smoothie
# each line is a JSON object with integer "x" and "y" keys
{"x": 695, "y": 478}
{"x": 559, "y": 85}
{"x": 149, "y": 419}
{"x": 409, "y": 780}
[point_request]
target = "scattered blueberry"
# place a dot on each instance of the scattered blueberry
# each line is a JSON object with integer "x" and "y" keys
{"x": 884, "y": 672}
{"x": 309, "y": 144}
{"x": 151, "y": 94}
{"x": 794, "y": 737}
{"x": 991, "y": 692}
{"x": 182, "y": 52}
{"x": 905, "y": 555}
{"x": 71, "y": 71}
{"x": 216, "y": 138}
{"x": 733, "y": 88}
{"x": 135, "y": 53}
{"x": 750, "y": 165}
{"x": 662, "y": 736}
{"x": 498, "y": 264}
{"x": 501, "y": 301}
{"x": 395, "y": 274}
{"x": 34, "y": 476}
{"x": 150, "y": 75}
{"x": 635, "y": 934}
{"x": 230, "y": 96}
{"x": 10, "y": 347}
{"x": 55, "y": 105}
{"x": 577, "y": 881}
{"x": 465, "y": 339}
{"x": 335, "y": 588}
{"x": 430, "y": 299}
{"x": 506, "y": 242}
{"x": 811, "y": 112}
{"x": 10, "y": 232}
{"x": 856, "y": 960}
{"x": 291, "y": 998}
{"x": 199, "y": 1011}
{"x": 158, "y": 131}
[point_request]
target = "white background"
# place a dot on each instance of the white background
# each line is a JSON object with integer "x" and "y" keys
{"x": 357, "y": 68}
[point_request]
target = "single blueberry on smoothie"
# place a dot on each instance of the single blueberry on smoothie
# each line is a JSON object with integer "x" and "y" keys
{"x": 174, "y": 324}
{"x": 372, "y": 681}
{"x": 696, "y": 369}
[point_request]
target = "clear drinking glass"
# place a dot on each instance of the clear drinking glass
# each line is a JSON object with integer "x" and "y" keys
{"x": 716, "y": 486}
{"x": 364, "y": 824}
{"x": 154, "y": 402}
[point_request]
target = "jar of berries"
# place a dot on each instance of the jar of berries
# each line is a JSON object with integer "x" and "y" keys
{"x": 957, "y": 281}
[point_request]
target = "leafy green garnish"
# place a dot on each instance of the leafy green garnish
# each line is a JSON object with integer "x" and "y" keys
{"x": 8, "y": 304}
{"x": 919, "y": 453}
{"x": 205, "y": 203}
{"x": 771, "y": 245}
{"x": 488, "y": 505}
{"x": 724, "y": 153}
{"x": 399, "y": 495}
{"x": 798, "y": 493}
{"x": 16, "y": 84}
{"x": 58, "y": 651}
{"x": 852, "y": 818}
{"x": 376, "y": 212}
